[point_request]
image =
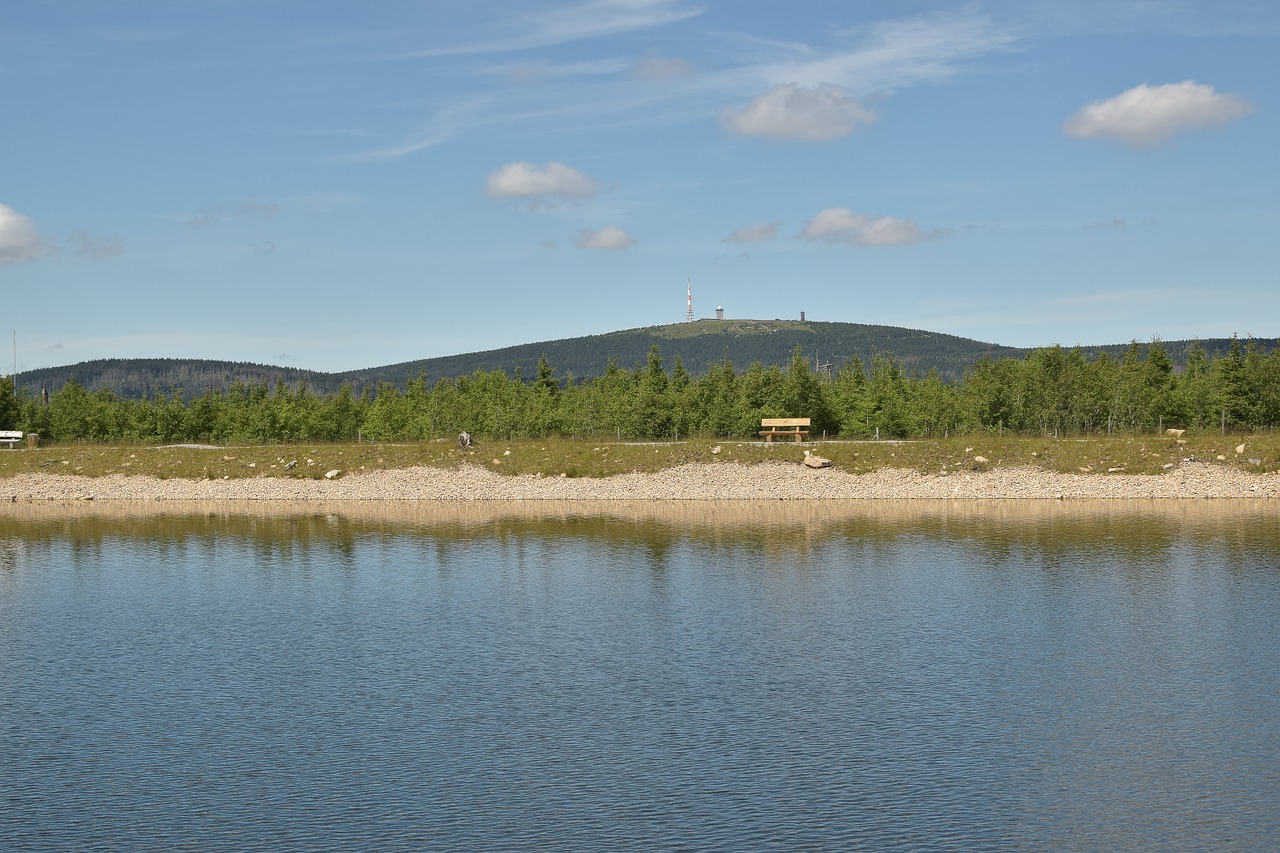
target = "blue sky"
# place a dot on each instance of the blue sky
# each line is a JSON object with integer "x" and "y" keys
{"x": 336, "y": 185}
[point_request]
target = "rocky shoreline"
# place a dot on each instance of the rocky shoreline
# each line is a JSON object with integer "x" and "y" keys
{"x": 690, "y": 482}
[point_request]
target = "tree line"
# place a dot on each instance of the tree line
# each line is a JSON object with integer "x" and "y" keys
{"x": 1051, "y": 391}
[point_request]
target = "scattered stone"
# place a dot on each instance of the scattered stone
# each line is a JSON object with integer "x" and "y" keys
{"x": 708, "y": 480}
{"x": 715, "y": 449}
{"x": 293, "y": 464}
{"x": 1239, "y": 449}
{"x": 329, "y": 475}
{"x": 816, "y": 461}
{"x": 1176, "y": 433}
{"x": 1221, "y": 458}
{"x": 981, "y": 460}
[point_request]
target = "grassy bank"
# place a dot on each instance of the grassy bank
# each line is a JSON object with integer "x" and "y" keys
{"x": 585, "y": 458}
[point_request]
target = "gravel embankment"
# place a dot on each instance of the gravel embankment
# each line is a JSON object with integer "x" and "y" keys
{"x": 723, "y": 481}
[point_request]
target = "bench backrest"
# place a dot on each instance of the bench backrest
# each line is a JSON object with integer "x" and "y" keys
{"x": 784, "y": 422}
{"x": 10, "y": 434}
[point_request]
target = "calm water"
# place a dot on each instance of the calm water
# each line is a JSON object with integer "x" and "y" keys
{"x": 730, "y": 678}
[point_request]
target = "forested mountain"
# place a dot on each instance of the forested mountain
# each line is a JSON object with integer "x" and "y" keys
{"x": 1050, "y": 391}
{"x": 702, "y": 343}
{"x": 698, "y": 346}
{"x": 133, "y": 378}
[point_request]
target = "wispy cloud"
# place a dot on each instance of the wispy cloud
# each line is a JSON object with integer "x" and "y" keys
{"x": 571, "y": 23}
{"x": 540, "y": 72}
{"x": 759, "y": 233}
{"x": 95, "y": 248}
{"x": 1149, "y": 116}
{"x": 1117, "y": 225}
{"x": 247, "y": 209}
{"x": 774, "y": 89}
{"x": 653, "y": 67}
{"x": 442, "y": 127}
{"x": 893, "y": 54}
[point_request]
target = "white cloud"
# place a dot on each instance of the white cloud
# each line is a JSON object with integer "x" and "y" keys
{"x": 842, "y": 225}
{"x": 610, "y": 238}
{"x": 19, "y": 239}
{"x": 1148, "y": 116}
{"x": 533, "y": 180}
{"x": 758, "y": 233}
{"x": 819, "y": 114}
{"x": 662, "y": 68}
{"x": 96, "y": 248}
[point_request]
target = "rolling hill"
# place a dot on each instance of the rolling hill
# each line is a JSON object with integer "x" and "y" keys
{"x": 698, "y": 345}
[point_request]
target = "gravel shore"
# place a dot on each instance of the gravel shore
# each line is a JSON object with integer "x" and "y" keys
{"x": 691, "y": 482}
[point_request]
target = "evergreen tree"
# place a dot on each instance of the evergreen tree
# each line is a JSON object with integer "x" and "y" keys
{"x": 851, "y": 403}
{"x": 9, "y": 408}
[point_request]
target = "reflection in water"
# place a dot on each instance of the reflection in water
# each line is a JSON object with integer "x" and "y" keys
{"x": 754, "y": 675}
{"x": 782, "y": 529}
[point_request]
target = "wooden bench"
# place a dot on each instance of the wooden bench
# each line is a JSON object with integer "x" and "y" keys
{"x": 11, "y": 437}
{"x": 771, "y": 428}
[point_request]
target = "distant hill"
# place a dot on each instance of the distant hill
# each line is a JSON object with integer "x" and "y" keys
{"x": 698, "y": 344}
{"x": 703, "y": 342}
{"x": 138, "y": 377}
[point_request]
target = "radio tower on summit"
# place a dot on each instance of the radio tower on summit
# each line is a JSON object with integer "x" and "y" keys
{"x": 688, "y": 315}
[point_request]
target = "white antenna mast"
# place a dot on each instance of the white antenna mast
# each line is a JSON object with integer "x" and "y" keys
{"x": 688, "y": 316}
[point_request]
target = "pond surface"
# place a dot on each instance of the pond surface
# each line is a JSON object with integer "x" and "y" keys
{"x": 703, "y": 677}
